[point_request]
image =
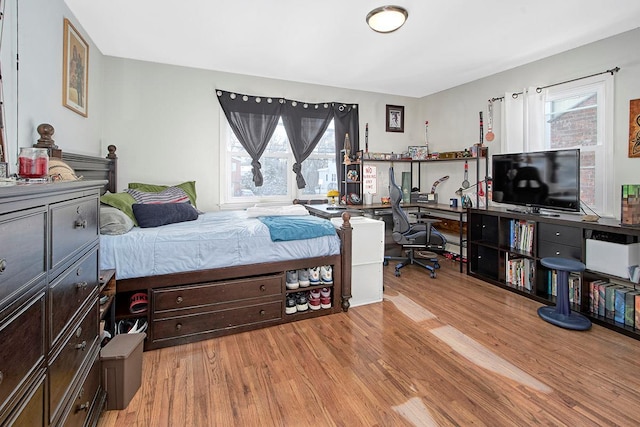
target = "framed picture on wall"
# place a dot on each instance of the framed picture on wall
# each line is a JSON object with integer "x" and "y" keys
{"x": 395, "y": 118}
{"x": 75, "y": 71}
{"x": 634, "y": 128}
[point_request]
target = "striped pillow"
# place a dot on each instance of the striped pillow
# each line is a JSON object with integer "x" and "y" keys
{"x": 170, "y": 195}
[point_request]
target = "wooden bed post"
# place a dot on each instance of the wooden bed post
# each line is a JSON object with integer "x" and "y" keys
{"x": 113, "y": 169}
{"x": 346, "y": 259}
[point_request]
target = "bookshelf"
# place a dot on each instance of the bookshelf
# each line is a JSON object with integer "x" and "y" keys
{"x": 505, "y": 249}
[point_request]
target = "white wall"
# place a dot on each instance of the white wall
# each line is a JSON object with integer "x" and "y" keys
{"x": 454, "y": 119}
{"x": 165, "y": 120}
{"x": 34, "y": 94}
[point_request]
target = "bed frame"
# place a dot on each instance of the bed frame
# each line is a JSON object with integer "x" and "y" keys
{"x": 197, "y": 305}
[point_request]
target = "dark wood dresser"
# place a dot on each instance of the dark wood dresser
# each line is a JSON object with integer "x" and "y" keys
{"x": 49, "y": 309}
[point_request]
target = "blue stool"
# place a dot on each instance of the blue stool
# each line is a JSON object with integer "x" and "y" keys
{"x": 561, "y": 315}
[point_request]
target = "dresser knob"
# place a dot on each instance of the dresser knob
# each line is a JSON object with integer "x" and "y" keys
{"x": 81, "y": 223}
{"x": 83, "y": 407}
{"x": 263, "y": 288}
{"x": 81, "y": 285}
{"x": 3, "y": 265}
{"x": 179, "y": 300}
{"x": 262, "y": 312}
{"x": 81, "y": 346}
{"x": 178, "y": 326}
{"x": 557, "y": 252}
{"x": 557, "y": 233}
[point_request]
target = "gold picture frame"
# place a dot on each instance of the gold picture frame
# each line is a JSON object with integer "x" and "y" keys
{"x": 75, "y": 71}
{"x": 395, "y": 118}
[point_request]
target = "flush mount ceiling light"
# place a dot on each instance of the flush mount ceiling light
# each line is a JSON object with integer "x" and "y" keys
{"x": 386, "y": 19}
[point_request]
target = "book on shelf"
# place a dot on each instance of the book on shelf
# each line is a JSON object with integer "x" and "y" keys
{"x": 630, "y": 308}
{"x": 610, "y": 301}
{"x": 519, "y": 271}
{"x": 552, "y": 282}
{"x": 575, "y": 291}
{"x": 521, "y": 235}
{"x": 594, "y": 294}
{"x": 620, "y": 303}
{"x": 602, "y": 288}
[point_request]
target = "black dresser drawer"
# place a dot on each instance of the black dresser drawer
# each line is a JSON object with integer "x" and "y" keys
{"x": 562, "y": 234}
{"x": 24, "y": 330}
{"x": 559, "y": 241}
{"x": 30, "y": 413}
{"x": 74, "y": 225}
{"x": 65, "y": 365}
{"x": 22, "y": 252}
{"x": 70, "y": 291}
{"x": 84, "y": 397}
{"x": 552, "y": 249}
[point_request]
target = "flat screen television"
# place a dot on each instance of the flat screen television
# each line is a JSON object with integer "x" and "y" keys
{"x": 543, "y": 179}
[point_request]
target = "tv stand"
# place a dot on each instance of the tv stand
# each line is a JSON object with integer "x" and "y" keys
{"x": 506, "y": 249}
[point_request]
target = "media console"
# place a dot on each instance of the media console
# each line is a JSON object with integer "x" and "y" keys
{"x": 505, "y": 249}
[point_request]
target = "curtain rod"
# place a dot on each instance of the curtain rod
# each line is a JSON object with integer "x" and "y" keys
{"x": 539, "y": 89}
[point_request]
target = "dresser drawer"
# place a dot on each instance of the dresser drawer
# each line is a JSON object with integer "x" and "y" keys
{"x": 65, "y": 365}
{"x": 84, "y": 397}
{"x": 30, "y": 413}
{"x": 22, "y": 347}
{"x": 551, "y": 249}
{"x": 183, "y": 297}
{"x": 562, "y": 234}
{"x": 74, "y": 225}
{"x": 211, "y": 321}
{"x": 22, "y": 253}
{"x": 70, "y": 291}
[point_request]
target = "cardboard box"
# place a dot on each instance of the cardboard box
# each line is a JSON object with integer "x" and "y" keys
{"x": 612, "y": 258}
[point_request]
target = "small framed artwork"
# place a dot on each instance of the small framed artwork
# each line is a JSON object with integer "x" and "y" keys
{"x": 4, "y": 170}
{"x": 395, "y": 118}
{"x": 75, "y": 72}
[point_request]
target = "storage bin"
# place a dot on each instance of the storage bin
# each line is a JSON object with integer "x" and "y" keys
{"x": 612, "y": 258}
{"x": 121, "y": 362}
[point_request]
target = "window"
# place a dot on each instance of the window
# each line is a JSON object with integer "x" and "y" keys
{"x": 580, "y": 115}
{"x": 237, "y": 187}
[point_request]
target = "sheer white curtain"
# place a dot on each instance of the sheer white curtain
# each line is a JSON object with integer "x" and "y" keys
{"x": 523, "y": 121}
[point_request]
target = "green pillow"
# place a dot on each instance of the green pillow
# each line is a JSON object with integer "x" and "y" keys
{"x": 188, "y": 187}
{"x": 122, "y": 201}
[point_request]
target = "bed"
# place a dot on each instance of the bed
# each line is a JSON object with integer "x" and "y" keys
{"x": 216, "y": 287}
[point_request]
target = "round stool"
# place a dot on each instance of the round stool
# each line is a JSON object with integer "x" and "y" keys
{"x": 561, "y": 315}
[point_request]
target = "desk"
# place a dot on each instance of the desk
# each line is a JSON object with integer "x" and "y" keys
{"x": 439, "y": 211}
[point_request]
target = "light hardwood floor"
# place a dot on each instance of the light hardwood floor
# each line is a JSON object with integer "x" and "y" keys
{"x": 450, "y": 351}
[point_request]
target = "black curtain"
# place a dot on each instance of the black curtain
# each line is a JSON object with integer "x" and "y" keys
{"x": 305, "y": 125}
{"x": 253, "y": 120}
{"x": 345, "y": 121}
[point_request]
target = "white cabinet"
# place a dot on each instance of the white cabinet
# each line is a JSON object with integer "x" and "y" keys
{"x": 367, "y": 259}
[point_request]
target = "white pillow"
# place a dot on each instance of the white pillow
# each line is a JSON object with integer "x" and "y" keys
{"x": 113, "y": 221}
{"x": 276, "y": 211}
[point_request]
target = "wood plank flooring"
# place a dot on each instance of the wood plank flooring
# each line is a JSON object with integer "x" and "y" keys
{"x": 449, "y": 351}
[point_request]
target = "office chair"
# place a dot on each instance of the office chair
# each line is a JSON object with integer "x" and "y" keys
{"x": 413, "y": 237}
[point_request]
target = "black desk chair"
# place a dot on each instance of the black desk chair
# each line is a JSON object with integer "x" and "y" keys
{"x": 420, "y": 236}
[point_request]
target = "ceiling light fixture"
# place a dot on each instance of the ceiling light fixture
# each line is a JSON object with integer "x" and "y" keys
{"x": 386, "y": 19}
